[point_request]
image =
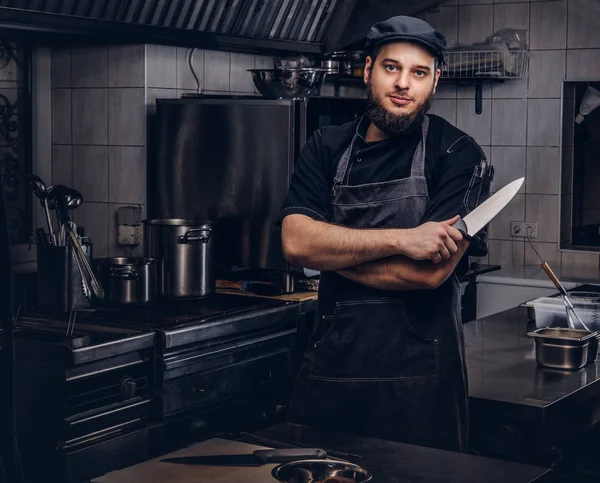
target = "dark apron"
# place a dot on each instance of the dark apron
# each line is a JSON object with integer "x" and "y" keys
{"x": 386, "y": 364}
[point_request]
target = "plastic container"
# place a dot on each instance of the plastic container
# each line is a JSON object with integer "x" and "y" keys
{"x": 551, "y": 311}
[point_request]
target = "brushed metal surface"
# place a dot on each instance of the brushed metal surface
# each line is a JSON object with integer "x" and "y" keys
{"x": 230, "y": 162}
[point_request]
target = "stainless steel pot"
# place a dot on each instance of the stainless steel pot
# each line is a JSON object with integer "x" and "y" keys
{"x": 183, "y": 250}
{"x": 127, "y": 280}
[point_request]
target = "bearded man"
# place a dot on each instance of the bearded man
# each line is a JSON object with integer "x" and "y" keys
{"x": 371, "y": 205}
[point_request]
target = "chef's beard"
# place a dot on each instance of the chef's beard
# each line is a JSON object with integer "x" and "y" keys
{"x": 394, "y": 124}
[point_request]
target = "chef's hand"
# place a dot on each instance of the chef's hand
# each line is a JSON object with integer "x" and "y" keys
{"x": 435, "y": 241}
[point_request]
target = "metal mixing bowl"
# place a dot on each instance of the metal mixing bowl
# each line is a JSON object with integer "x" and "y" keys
{"x": 288, "y": 83}
{"x": 321, "y": 471}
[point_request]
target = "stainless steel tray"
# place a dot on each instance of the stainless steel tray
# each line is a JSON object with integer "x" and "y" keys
{"x": 561, "y": 348}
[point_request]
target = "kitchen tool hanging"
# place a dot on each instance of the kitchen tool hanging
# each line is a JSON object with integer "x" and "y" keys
{"x": 40, "y": 190}
{"x": 59, "y": 197}
{"x": 183, "y": 250}
{"x": 127, "y": 280}
{"x": 572, "y": 316}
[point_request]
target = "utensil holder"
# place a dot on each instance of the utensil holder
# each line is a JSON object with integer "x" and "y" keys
{"x": 59, "y": 282}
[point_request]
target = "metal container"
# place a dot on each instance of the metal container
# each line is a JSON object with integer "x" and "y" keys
{"x": 313, "y": 471}
{"x": 289, "y": 83}
{"x": 561, "y": 348}
{"x": 127, "y": 280}
{"x": 592, "y": 355}
{"x": 183, "y": 250}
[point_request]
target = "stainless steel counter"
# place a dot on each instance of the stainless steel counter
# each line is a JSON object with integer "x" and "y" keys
{"x": 505, "y": 378}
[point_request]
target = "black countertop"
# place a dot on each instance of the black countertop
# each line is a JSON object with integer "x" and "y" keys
{"x": 504, "y": 377}
{"x": 397, "y": 462}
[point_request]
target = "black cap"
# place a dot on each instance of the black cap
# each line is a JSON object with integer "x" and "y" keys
{"x": 408, "y": 29}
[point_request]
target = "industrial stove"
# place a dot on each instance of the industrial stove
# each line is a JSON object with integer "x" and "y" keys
{"x": 88, "y": 404}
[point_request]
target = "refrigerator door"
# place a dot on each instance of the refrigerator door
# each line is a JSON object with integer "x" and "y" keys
{"x": 228, "y": 161}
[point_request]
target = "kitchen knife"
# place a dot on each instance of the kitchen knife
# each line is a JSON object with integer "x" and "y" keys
{"x": 258, "y": 458}
{"x": 486, "y": 211}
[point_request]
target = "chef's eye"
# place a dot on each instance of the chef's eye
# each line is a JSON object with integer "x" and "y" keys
{"x": 391, "y": 67}
{"x": 420, "y": 73}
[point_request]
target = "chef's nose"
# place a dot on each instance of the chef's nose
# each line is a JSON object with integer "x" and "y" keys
{"x": 402, "y": 80}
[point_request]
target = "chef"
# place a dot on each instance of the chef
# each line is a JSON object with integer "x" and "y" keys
{"x": 371, "y": 205}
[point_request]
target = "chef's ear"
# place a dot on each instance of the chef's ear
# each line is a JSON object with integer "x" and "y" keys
{"x": 367, "y": 69}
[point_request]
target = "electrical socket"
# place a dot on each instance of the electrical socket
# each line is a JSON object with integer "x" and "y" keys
{"x": 519, "y": 229}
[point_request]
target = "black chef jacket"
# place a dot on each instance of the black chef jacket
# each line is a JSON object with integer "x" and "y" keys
{"x": 458, "y": 175}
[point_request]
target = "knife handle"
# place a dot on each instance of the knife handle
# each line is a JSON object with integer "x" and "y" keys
{"x": 287, "y": 455}
{"x": 461, "y": 226}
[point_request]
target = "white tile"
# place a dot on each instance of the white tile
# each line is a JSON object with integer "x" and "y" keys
{"x": 475, "y": 2}
{"x": 475, "y": 24}
{"x": 127, "y": 114}
{"x": 240, "y": 79}
{"x": 543, "y": 210}
{"x": 513, "y": 16}
{"x": 89, "y": 66}
{"x": 445, "y": 20}
{"x": 185, "y": 77}
{"x": 153, "y": 94}
{"x": 61, "y": 165}
{"x": 512, "y": 1}
{"x": 509, "y": 164}
{"x": 476, "y": 125}
{"x": 510, "y": 89}
{"x": 90, "y": 172}
{"x": 580, "y": 260}
{"x": 61, "y": 116}
{"x": 506, "y": 252}
{"x": 216, "y": 70}
{"x": 509, "y": 122}
{"x": 126, "y": 65}
{"x": 548, "y": 25}
{"x": 542, "y": 170}
{"x": 543, "y": 122}
{"x": 548, "y": 251}
{"x": 161, "y": 66}
{"x": 583, "y": 64}
{"x": 445, "y": 108}
{"x": 127, "y": 174}
{"x": 468, "y": 92}
{"x": 90, "y": 116}
{"x": 93, "y": 217}
{"x": 546, "y": 72}
{"x": 445, "y": 90}
{"x": 61, "y": 67}
{"x": 514, "y": 211}
{"x": 583, "y": 31}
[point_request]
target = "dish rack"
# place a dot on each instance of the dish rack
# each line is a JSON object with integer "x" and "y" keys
{"x": 479, "y": 66}
{"x": 486, "y": 64}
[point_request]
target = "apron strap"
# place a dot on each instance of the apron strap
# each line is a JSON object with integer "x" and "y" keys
{"x": 342, "y": 167}
{"x": 418, "y": 163}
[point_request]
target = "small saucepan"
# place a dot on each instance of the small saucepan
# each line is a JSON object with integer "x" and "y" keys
{"x": 321, "y": 471}
{"x": 127, "y": 280}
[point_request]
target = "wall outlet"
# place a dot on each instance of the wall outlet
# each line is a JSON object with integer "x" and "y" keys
{"x": 521, "y": 229}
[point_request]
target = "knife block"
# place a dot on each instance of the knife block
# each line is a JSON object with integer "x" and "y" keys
{"x": 59, "y": 283}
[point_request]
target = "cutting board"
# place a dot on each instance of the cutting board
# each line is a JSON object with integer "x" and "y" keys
{"x": 155, "y": 471}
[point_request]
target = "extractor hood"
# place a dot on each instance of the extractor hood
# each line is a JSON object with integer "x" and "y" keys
{"x": 262, "y": 26}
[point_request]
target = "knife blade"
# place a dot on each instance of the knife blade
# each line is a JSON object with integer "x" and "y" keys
{"x": 470, "y": 225}
{"x": 257, "y": 458}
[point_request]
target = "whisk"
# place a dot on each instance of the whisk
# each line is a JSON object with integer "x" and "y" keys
{"x": 572, "y": 317}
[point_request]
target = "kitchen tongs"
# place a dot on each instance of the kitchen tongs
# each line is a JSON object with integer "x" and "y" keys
{"x": 571, "y": 315}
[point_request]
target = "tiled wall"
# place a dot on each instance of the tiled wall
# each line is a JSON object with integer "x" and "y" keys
{"x": 520, "y": 123}
{"x": 103, "y": 102}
